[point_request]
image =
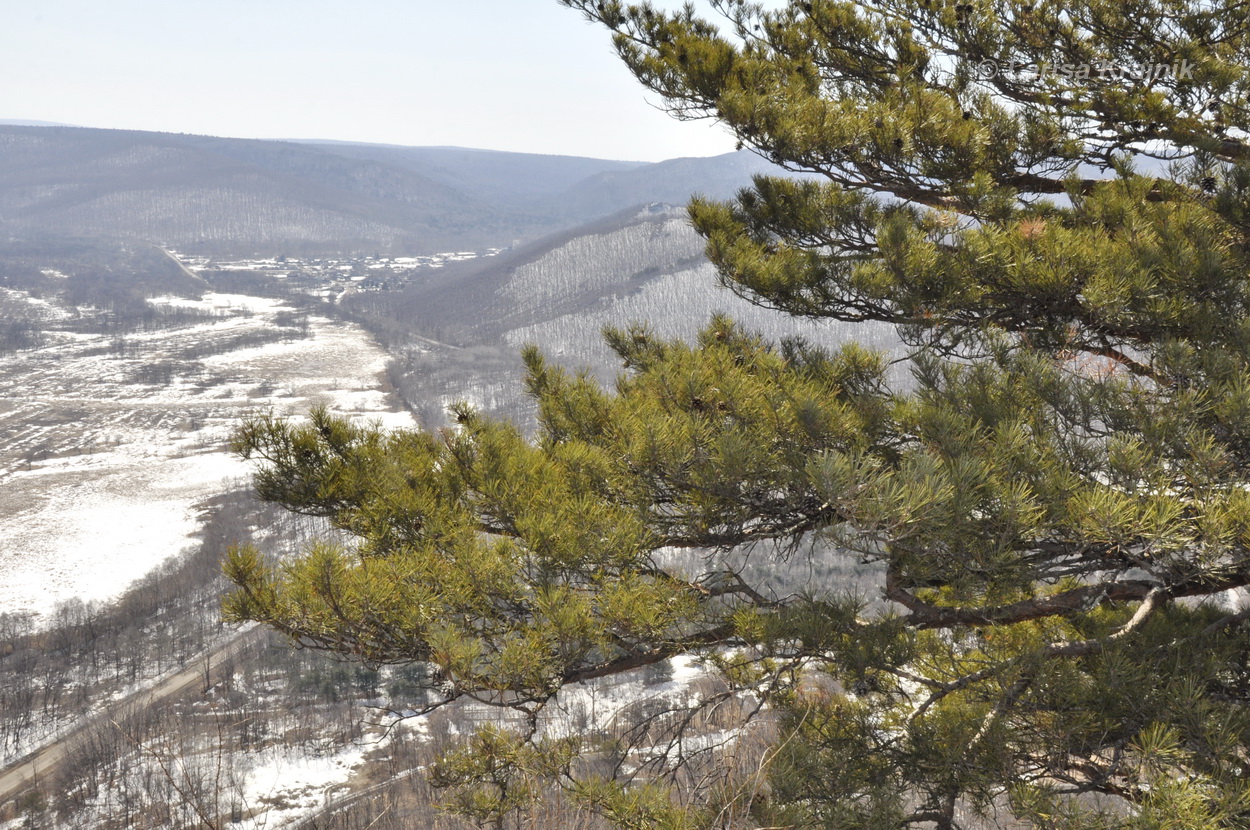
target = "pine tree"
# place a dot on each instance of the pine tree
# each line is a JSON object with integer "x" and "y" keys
{"x": 1051, "y": 202}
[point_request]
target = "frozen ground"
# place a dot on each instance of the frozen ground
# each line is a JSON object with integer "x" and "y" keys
{"x": 108, "y": 445}
{"x": 287, "y": 784}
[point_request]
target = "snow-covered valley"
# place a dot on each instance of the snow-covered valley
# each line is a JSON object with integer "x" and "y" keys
{"x": 114, "y": 423}
{"x": 110, "y": 443}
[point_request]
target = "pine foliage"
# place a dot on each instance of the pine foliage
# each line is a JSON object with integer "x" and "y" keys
{"x": 1059, "y": 497}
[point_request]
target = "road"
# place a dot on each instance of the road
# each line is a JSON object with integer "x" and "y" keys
{"x": 17, "y": 775}
{"x": 181, "y": 265}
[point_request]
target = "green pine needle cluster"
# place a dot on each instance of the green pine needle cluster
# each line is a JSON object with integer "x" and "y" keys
{"x": 1056, "y": 490}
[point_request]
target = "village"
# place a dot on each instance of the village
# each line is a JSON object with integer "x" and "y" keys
{"x": 333, "y": 279}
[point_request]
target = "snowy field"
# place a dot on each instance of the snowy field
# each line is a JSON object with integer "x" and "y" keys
{"x": 108, "y": 444}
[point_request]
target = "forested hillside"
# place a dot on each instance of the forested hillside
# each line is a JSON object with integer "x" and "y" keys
{"x": 559, "y": 293}
{"x": 239, "y": 197}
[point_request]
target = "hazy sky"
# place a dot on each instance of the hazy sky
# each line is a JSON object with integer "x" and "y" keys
{"x": 526, "y": 75}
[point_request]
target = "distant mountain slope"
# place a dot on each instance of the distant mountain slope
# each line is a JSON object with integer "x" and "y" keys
{"x": 646, "y": 268}
{"x": 638, "y": 265}
{"x": 514, "y": 179}
{"x": 673, "y": 181}
{"x": 643, "y": 266}
{"x": 227, "y": 195}
{"x": 478, "y": 301}
{"x": 242, "y": 197}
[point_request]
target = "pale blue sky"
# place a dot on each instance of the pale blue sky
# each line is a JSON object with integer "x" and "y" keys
{"x": 525, "y": 75}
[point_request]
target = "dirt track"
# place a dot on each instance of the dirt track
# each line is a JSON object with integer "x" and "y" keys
{"x": 17, "y": 775}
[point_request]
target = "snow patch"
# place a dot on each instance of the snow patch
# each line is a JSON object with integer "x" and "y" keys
{"x": 292, "y": 783}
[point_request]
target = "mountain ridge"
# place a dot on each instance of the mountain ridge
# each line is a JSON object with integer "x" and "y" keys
{"x": 219, "y": 196}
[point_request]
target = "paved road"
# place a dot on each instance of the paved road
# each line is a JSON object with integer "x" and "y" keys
{"x": 17, "y": 775}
